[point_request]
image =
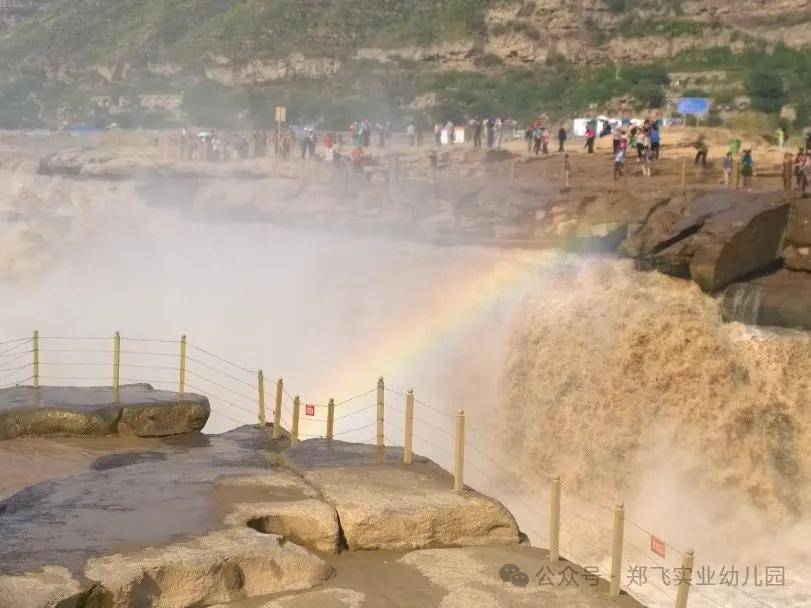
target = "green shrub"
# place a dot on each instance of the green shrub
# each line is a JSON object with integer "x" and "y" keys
{"x": 618, "y": 6}
{"x": 766, "y": 89}
{"x": 649, "y": 94}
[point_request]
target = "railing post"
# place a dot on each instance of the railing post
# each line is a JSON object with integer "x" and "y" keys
{"x": 181, "y": 389}
{"x": 260, "y": 384}
{"x": 277, "y": 410}
{"x": 35, "y": 348}
{"x": 737, "y": 162}
{"x": 409, "y": 427}
{"x": 294, "y": 423}
{"x": 512, "y": 171}
{"x": 684, "y": 174}
{"x": 459, "y": 465}
{"x": 117, "y": 367}
{"x": 330, "y": 418}
{"x": 686, "y": 579}
{"x": 554, "y": 522}
{"x": 380, "y": 403}
{"x": 616, "y": 551}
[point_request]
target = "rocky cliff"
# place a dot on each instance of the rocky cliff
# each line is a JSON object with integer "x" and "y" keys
{"x": 238, "y": 42}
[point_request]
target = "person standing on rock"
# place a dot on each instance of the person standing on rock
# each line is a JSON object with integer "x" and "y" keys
{"x": 781, "y": 137}
{"x": 616, "y": 137}
{"x": 641, "y": 142}
{"x": 477, "y": 132}
{"x": 701, "y": 151}
{"x": 304, "y": 145}
{"x": 329, "y": 143}
{"x": 499, "y": 132}
{"x": 545, "y": 141}
{"x": 619, "y": 163}
{"x": 491, "y": 132}
{"x": 655, "y": 139}
{"x": 788, "y": 171}
{"x": 311, "y": 143}
{"x": 747, "y": 169}
{"x": 536, "y": 139}
{"x": 801, "y": 169}
{"x": 562, "y": 138}
{"x": 591, "y": 134}
{"x": 727, "y": 169}
{"x": 528, "y": 137}
{"x": 450, "y": 128}
{"x": 411, "y": 134}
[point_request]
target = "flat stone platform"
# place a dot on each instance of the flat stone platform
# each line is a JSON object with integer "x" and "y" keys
{"x": 64, "y": 411}
{"x": 244, "y": 520}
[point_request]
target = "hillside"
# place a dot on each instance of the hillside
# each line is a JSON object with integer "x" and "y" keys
{"x": 67, "y": 60}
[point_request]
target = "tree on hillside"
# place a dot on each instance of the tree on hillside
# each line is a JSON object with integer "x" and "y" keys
{"x": 649, "y": 94}
{"x": 766, "y": 89}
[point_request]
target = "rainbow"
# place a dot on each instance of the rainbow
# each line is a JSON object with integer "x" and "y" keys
{"x": 457, "y": 308}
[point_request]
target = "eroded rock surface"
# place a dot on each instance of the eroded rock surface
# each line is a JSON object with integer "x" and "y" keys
{"x": 50, "y": 587}
{"x": 219, "y": 567}
{"x": 309, "y": 523}
{"x": 782, "y": 299}
{"x": 89, "y": 411}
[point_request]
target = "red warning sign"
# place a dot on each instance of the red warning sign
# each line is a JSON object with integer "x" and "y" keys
{"x": 309, "y": 410}
{"x": 657, "y": 545}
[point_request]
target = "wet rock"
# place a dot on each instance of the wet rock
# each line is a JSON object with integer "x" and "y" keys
{"x": 671, "y": 221}
{"x": 271, "y": 480}
{"x": 782, "y": 299}
{"x": 310, "y": 523}
{"x": 602, "y": 223}
{"x": 798, "y": 257}
{"x": 50, "y": 587}
{"x": 673, "y": 260}
{"x": 115, "y": 461}
{"x": 713, "y": 237}
{"x": 738, "y": 242}
{"x": 220, "y": 567}
{"x": 397, "y": 508}
{"x": 89, "y": 411}
{"x": 799, "y": 224}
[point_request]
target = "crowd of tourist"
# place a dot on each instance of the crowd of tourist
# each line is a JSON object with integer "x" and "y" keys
{"x": 639, "y": 139}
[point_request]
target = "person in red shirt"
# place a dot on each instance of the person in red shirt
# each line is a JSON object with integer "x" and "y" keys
{"x": 329, "y": 143}
{"x": 591, "y": 134}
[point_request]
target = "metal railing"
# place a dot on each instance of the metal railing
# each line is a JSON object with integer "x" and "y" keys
{"x": 240, "y": 395}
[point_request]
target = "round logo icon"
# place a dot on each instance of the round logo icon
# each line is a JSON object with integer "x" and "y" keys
{"x": 507, "y": 572}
